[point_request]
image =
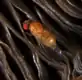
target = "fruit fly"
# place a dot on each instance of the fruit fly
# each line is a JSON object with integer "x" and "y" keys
{"x": 40, "y": 33}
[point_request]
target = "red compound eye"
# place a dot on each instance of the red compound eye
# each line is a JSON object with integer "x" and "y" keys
{"x": 25, "y": 26}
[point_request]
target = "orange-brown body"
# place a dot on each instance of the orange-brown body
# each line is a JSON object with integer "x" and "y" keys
{"x": 77, "y": 78}
{"x": 45, "y": 36}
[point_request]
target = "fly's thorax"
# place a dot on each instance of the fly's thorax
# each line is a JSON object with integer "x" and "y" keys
{"x": 36, "y": 29}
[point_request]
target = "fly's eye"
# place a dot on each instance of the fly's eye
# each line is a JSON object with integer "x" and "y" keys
{"x": 25, "y": 26}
